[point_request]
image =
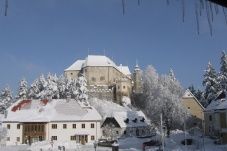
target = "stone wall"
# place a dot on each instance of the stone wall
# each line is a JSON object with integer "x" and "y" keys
{"x": 103, "y": 94}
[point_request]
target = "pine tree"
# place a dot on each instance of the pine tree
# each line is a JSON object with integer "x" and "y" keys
{"x": 171, "y": 75}
{"x": 223, "y": 72}
{"x": 62, "y": 80}
{"x": 210, "y": 82}
{"x": 82, "y": 92}
{"x": 192, "y": 89}
{"x": 23, "y": 90}
{"x": 34, "y": 91}
{"x": 50, "y": 90}
{"x": 5, "y": 98}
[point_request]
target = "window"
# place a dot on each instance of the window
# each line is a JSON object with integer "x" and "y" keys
{"x": 118, "y": 87}
{"x": 211, "y": 128}
{"x": 85, "y": 70}
{"x": 18, "y": 126}
{"x": 54, "y": 138}
{"x": 8, "y": 126}
{"x": 93, "y": 79}
{"x": 123, "y": 87}
{"x": 125, "y": 132}
{"x": 117, "y": 132}
{"x": 189, "y": 108}
{"x": 102, "y": 78}
{"x": 8, "y": 138}
{"x": 72, "y": 138}
{"x": 210, "y": 117}
{"x": 143, "y": 132}
{"x": 74, "y": 125}
{"x": 82, "y": 125}
{"x": 18, "y": 139}
{"x": 71, "y": 73}
{"x": 92, "y": 137}
{"x": 54, "y": 126}
{"x": 64, "y": 126}
{"x": 92, "y": 125}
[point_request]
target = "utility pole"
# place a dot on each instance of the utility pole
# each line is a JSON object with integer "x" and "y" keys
{"x": 185, "y": 140}
{"x": 162, "y": 133}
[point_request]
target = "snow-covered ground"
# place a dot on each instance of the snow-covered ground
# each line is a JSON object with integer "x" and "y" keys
{"x": 128, "y": 144}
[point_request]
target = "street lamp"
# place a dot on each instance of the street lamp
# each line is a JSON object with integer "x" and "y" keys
{"x": 95, "y": 145}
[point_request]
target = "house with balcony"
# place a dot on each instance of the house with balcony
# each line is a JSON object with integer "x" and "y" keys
{"x": 215, "y": 118}
{"x": 29, "y": 121}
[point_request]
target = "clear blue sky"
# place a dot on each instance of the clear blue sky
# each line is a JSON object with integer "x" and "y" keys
{"x": 42, "y": 36}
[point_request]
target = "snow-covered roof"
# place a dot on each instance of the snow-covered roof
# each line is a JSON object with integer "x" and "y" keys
{"x": 76, "y": 66}
{"x": 97, "y": 61}
{"x": 188, "y": 94}
{"x": 54, "y": 110}
{"x": 219, "y": 104}
{"x": 125, "y": 70}
{"x": 121, "y": 117}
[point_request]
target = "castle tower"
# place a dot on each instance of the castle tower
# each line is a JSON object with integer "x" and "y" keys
{"x": 137, "y": 79}
{"x": 122, "y": 89}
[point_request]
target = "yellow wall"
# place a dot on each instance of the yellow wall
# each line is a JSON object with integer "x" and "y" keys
{"x": 193, "y": 107}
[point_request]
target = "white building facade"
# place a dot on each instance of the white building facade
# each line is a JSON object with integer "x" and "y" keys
{"x": 29, "y": 121}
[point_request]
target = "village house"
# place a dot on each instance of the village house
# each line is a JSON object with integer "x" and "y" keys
{"x": 106, "y": 80}
{"x": 29, "y": 121}
{"x": 215, "y": 118}
{"x": 125, "y": 124}
{"x": 194, "y": 107}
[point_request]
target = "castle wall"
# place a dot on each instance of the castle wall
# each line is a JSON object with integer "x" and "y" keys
{"x": 72, "y": 73}
{"x": 101, "y": 75}
{"x": 103, "y": 94}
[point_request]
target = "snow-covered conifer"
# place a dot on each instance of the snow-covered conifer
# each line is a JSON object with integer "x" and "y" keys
{"x": 211, "y": 83}
{"x": 223, "y": 72}
{"x": 82, "y": 92}
{"x": 62, "y": 80}
{"x": 6, "y": 98}
{"x": 171, "y": 75}
{"x": 23, "y": 90}
{"x": 34, "y": 91}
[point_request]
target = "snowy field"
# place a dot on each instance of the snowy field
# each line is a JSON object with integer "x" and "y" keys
{"x": 128, "y": 144}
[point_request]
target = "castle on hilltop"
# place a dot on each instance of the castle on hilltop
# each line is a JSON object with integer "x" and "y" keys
{"x": 106, "y": 80}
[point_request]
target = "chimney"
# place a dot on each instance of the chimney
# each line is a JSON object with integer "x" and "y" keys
{"x": 5, "y": 114}
{"x": 68, "y": 98}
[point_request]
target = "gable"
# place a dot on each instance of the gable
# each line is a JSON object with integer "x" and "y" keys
{"x": 110, "y": 120}
{"x": 189, "y": 98}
